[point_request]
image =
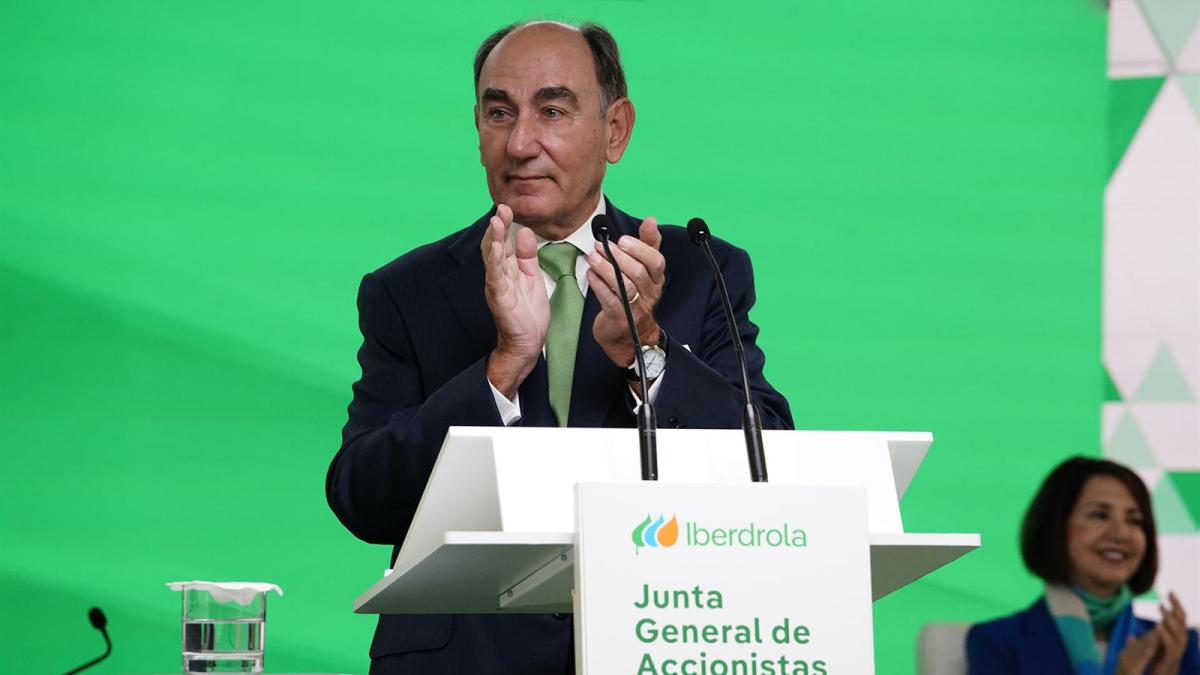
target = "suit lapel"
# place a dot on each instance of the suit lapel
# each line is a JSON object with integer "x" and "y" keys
{"x": 598, "y": 390}
{"x": 463, "y": 289}
{"x": 596, "y": 380}
{"x": 1042, "y": 649}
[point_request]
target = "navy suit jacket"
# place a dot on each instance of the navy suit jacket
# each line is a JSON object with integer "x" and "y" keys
{"x": 1027, "y": 643}
{"x": 427, "y": 333}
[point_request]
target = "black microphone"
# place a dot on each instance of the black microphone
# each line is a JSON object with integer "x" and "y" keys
{"x": 647, "y": 424}
{"x": 751, "y": 419}
{"x": 99, "y": 623}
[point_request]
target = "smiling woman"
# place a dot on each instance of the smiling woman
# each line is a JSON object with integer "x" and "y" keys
{"x": 1090, "y": 535}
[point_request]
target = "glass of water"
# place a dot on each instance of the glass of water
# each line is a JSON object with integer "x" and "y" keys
{"x": 224, "y": 626}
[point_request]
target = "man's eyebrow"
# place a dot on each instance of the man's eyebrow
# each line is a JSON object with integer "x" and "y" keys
{"x": 500, "y": 95}
{"x": 555, "y": 94}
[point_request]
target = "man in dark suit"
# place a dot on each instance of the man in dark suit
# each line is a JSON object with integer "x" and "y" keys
{"x": 515, "y": 320}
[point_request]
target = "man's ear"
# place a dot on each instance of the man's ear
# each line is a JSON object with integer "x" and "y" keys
{"x": 475, "y": 121}
{"x": 619, "y": 120}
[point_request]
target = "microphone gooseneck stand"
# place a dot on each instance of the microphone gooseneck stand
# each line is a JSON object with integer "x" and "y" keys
{"x": 99, "y": 622}
{"x": 751, "y": 419}
{"x": 646, "y": 421}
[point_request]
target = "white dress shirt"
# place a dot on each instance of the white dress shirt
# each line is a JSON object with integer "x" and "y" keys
{"x": 510, "y": 411}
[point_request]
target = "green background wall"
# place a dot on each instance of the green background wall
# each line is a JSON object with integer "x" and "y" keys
{"x": 190, "y": 191}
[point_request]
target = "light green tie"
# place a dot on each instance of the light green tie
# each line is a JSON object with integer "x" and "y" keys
{"x": 566, "y": 310}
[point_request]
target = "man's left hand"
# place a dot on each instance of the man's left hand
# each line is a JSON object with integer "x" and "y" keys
{"x": 643, "y": 268}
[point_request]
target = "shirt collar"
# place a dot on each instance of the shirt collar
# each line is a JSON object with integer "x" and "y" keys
{"x": 582, "y": 236}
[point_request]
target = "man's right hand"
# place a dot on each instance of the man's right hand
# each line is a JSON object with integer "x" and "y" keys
{"x": 516, "y": 295}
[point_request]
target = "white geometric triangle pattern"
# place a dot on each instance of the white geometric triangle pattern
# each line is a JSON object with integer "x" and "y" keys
{"x": 1126, "y": 357}
{"x": 1172, "y": 22}
{"x": 1162, "y": 163}
{"x": 1150, "y": 477}
{"x": 1189, "y": 58}
{"x": 1163, "y": 380}
{"x": 1151, "y": 317}
{"x": 1170, "y": 513}
{"x": 1186, "y": 348}
{"x": 1127, "y": 444}
{"x": 1111, "y": 413}
{"x": 1190, "y": 83}
{"x": 1152, "y": 268}
{"x": 1126, "y": 316}
{"x": 1172, "y": 432}
{"x": 1152, "y": 249}
{"x": 1177, "y": 569}
{"x": 1133, "y": 51}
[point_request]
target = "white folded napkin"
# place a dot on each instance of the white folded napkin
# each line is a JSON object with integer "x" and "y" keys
{"x": 241, "y": 592}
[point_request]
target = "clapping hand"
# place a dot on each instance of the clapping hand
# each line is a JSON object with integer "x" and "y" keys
{"x": 1172, "y": 636}
{"x": 643, "y": 267}
{"x": 516, "y": 296}
{"x": 1162, "y": 649}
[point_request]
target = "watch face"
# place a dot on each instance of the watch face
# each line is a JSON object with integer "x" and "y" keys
{"x": 656, "y": 361}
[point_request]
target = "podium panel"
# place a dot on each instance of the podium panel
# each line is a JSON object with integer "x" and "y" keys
{"x": 495, "y": 528}
{"x": 679, "y": 577}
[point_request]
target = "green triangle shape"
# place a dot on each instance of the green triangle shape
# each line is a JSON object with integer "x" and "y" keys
{"x": 1151, "y": 594}
{"x": 1128, "y": 101}
{"x": 1163, "y": 381}
{"x": 1191, "y": 88}
{"x": 1170, "y": 514}
{"x": 1108, "y": 387}
{"x": 1172, "y": 22}
{"x": 1128, "y": 446}
{"x": 1187, "y": 484}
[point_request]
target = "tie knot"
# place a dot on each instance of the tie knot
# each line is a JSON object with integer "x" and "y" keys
{"x": 558, "y": 259}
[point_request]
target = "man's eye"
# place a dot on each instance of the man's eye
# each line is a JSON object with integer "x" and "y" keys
{"x": 553, "y": 113}
{"x": 497, "y": 114}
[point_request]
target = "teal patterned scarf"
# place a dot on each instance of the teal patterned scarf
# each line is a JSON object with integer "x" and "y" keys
{"x": 1078, "y": 615}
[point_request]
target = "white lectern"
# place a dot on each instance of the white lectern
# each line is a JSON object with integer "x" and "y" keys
{"x": 495, "y": 529}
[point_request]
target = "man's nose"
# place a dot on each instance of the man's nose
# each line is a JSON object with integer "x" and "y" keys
{"x": 523, "y": 141}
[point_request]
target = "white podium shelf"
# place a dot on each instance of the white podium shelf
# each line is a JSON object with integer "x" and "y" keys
{"x": 495, "y": 572}
{"x": 495, "y": 529}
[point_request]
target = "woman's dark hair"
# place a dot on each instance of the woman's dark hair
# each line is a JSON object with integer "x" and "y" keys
{"x": 1044, "y": 531}
{"x": 605, "y": 57}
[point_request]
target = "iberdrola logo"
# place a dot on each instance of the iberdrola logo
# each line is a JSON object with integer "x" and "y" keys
{"x": 657, "y": 533}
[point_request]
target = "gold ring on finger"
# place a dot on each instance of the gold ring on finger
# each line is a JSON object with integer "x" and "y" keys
{"x": 636, "y": 295}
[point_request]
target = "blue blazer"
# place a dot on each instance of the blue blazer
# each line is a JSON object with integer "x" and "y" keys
{"x": 1027, "y": 643}
{"x": 427, "y": 333}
